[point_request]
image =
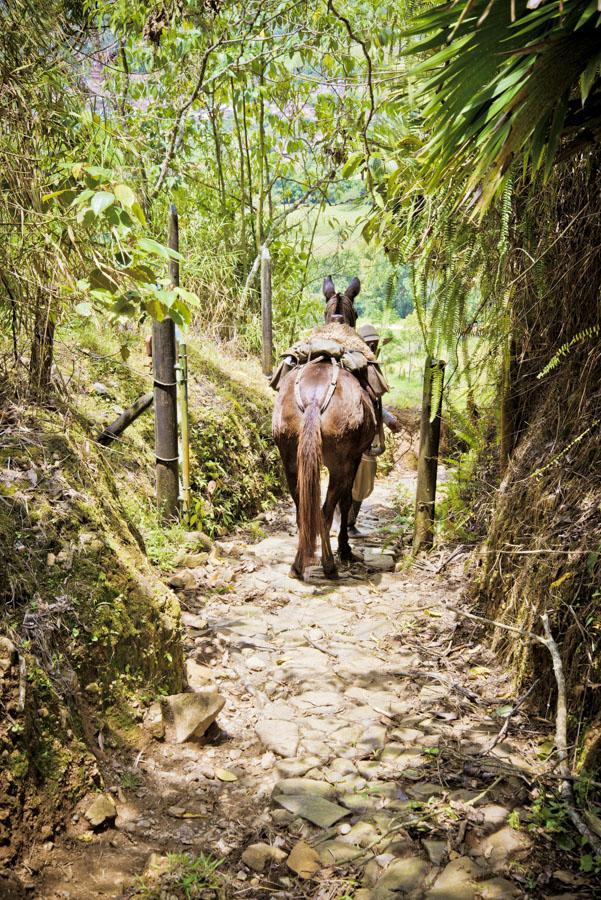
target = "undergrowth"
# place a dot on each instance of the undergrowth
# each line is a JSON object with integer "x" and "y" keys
{"x": 185, "y": 876}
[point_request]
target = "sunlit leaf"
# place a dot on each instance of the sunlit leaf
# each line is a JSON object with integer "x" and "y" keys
{"x": 124, "y": 195}
{"x": 153, "y": 247}
{"x": 101, "y": 201}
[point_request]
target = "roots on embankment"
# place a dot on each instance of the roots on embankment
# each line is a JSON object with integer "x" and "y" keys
{"x": 543, "y": 546}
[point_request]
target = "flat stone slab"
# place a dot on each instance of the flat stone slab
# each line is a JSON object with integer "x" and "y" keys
{"x": 317, "y": 810}
{"x": 279, "y": 735}
{"x": 401, "y": 877}
{"x": 457, "y": 881}
{"x": 306, "y": 787}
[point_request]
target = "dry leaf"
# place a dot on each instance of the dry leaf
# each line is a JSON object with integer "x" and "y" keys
{"x": 225, "y": 775}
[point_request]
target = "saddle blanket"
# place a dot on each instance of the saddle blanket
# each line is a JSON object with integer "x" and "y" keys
{"x": 339, "y": 342}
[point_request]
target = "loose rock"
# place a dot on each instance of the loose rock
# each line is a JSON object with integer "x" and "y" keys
{"x": 457, "y": 881}
{"x": 401, "y": 877}
{"x": 315, "y": 809}
{"x": 303, "y": 860}
{"x": 307, "y": 787}
{"x": 257, "y": 856}
{"x": 101, "y": 811}
{"x": 189, "y": 715}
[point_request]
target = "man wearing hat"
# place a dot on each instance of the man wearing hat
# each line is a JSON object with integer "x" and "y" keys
{"x": 366, "y": 473}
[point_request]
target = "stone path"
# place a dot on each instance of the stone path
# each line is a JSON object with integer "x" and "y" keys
{"x": 351, "y": 759}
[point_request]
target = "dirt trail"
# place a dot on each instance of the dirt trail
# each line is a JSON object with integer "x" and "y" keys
{"x": 365, "y": 706}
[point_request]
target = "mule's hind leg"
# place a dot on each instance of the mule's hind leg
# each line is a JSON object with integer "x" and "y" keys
{"x": 327, "y": 557}
{"x": 344, "y": 548}
{"x": 333, "y": 496}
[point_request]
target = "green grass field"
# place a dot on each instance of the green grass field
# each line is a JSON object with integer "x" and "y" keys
{"x": 338, "y": 228}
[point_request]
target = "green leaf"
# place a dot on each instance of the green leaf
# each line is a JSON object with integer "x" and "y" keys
{"x": 138, "y": 212}
{"x": 187, "y": 296}
{"x": 46, "y": 197}
{"x": 83, "y": 197}
{"x": 155, "y": 309}
{"x": 84, "y": 309}
{"x": 124, "y": 195}
{"x": 101, "y": 201}
{"x": 352, "y": 164}
{"x": 101, "y": 280}
{"x": 154, "y": 248}
{"x": 141, "y": 274}
{"x": 95, "y": 171}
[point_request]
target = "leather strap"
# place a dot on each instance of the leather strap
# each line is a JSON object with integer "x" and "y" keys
{"x": 329, "y": 393}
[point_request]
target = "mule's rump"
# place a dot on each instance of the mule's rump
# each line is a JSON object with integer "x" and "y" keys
{"x": 349, "y": 412}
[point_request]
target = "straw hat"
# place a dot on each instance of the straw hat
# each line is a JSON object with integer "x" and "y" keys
{"x": 369, "y": 333}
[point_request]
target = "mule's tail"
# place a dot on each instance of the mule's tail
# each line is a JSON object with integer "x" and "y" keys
{"x": 309, "y": 482}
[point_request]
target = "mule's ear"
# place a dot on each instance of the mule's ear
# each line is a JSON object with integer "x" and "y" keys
{"x": 328, "y": 287}
{"x": 353, "y": 288}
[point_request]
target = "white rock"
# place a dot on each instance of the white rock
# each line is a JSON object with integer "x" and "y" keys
{"x": 279, "y": 736}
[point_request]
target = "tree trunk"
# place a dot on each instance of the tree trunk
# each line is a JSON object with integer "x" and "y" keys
{"x": 42, "y": 351}
{"x": 427, "y": 465}
{"x": 266, "y": 324}
{"x": 508, "y": 422}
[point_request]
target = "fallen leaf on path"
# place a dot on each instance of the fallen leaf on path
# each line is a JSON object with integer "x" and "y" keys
{"x": 303, "y": 860}
{"x": 568, "y": 877}
{"x": 225, "y": 775}
{"x": 86, "y": 837}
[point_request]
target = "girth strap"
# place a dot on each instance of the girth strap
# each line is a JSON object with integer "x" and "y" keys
{"x": 329, "y": 393}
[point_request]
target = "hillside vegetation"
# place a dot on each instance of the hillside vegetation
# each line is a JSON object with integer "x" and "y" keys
{"x": 90, "y": 632}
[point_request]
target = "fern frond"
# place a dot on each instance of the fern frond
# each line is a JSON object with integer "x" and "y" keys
{"x": 586, "y": 334}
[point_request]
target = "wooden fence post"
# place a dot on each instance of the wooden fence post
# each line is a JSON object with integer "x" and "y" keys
{"x": 266, "y": 318}
{"x": 183, "y": 410}
{"x": 164, "y": 358}
{"x": 427, "y": 464}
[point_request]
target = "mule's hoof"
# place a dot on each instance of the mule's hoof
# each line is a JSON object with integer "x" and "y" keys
{"x": 294, "y": 573}
{"x": 330, "y": 571}
{"x": 348, "y": 557}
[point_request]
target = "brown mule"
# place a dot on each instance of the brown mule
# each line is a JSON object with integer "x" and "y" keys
{"x": 315, "y": 424}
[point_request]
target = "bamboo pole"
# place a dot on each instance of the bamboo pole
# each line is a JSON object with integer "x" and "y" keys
{"x": 165, "y": 397}
{"x": 266, "y": 311}
{"x": 112, "y": 431}
{"x": 427, "y": 464}
{"x": 183, "y": 410}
